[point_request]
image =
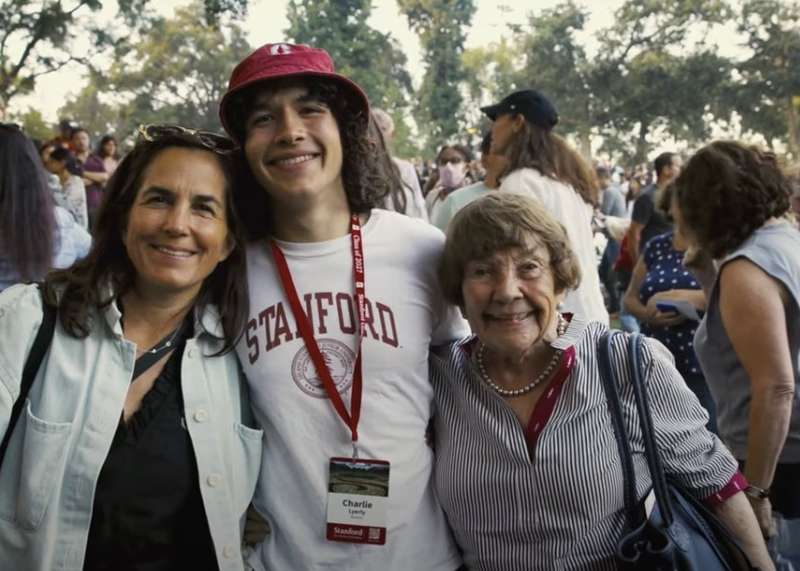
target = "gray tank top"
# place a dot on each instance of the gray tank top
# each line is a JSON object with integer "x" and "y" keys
{"x": 776, "y": 250}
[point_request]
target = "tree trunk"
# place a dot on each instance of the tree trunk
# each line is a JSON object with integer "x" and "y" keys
{"x": 793, "y": 127}
{"x": 641, "y": 143}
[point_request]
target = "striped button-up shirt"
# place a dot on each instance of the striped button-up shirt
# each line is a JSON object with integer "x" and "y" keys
{"x": 551, "y": 497}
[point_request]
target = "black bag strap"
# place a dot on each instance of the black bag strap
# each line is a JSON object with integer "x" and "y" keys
{"x": 634, "y": 514}
{"x": 40, "y": 346}
{"x": 654, "y": 463}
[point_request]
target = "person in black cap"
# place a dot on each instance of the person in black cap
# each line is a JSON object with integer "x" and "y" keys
{"x": 543, "y": 165}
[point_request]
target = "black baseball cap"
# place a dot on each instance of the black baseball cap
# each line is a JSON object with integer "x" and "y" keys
{"x": 531, "y": 104}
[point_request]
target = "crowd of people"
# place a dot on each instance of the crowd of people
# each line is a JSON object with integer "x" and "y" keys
{"x": 285, "y": 348}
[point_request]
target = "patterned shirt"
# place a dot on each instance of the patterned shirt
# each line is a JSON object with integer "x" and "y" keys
{"x": 665, "y": 271}
{"x": 551, "y": 497}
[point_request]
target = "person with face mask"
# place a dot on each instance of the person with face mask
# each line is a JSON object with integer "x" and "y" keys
{"x": 452, "y": 173}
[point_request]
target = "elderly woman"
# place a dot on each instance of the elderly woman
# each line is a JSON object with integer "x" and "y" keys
{"x": 527, "y": 469}
{"x": 133, "y": 450}
{"x": 733, "y": 207}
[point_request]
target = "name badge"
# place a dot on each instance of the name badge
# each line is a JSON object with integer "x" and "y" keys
{"x": 358, "y": 496}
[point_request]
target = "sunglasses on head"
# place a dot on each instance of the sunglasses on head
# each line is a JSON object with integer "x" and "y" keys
{"x": 212, "y": 141}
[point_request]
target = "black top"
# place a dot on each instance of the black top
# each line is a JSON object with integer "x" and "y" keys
{"x": 647, "y": 213}
{"x": 148, "y": 514}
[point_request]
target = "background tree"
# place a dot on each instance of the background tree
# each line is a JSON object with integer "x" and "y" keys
{"x": 770, "y": 77}
{"x": 441, "y": 26}
{"x": 37, "y": 38}
{"x": 556, "y": 64}
{"x": 95, "y": 111}
{"x": 41, "y": 33}
{"x": 173, "y": 70}
{"x": 655, "y": 73}
{"x": 372, "y": 59}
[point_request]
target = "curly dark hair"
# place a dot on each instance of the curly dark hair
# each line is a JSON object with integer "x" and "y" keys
{"x": 81, "y": 287}
{"x": 727, "y": 191}
{"x": 363, "y": 178}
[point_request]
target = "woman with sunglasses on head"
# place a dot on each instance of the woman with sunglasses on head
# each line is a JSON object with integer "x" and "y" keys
{"x": 133, "y": 449}
{"x": 35, "y": 235}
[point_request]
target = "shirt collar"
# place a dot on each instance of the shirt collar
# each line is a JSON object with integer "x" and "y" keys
{"x": 208, "y": 321}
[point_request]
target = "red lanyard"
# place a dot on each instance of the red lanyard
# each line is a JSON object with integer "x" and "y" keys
{"x": 351, "y": 419}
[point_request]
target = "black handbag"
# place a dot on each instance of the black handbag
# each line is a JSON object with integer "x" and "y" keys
{"x": 680, "y": 533}
{"x": 40, "y": 346}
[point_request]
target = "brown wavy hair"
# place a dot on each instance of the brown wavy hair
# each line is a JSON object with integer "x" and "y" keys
{"x": 363, "y": 177}
{"x": 82, "y": 287}
{"x": 498, "y": 221}
{"x": 551, "y": 155}
{"x": 727, "y": 191}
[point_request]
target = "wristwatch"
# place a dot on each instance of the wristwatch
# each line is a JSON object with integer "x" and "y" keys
{"x": 756, "y": 492}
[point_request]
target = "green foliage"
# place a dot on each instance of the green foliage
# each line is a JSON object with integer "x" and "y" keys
{"x": 556, "y": 64}
{"x": 441, "y": 26}
{"x": 177, "y": 70}
{"x": 770, "y": 77}
{"x": 36, "y": 37}
{"x": 370, "y": 58}
{"x": 96, "y": 114}
{"x": 174, "y": 71}
{"x": 653, "y": 78}
{"x": 34, "y": 125}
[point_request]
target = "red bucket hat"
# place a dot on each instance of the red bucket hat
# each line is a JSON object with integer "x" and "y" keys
{"x": 277, "y": 61}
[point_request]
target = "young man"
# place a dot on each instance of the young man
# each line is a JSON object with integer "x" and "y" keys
{"x": 324, "y": 267}
{"x": 647, "y": 219}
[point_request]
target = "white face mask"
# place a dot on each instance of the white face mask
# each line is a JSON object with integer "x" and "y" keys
{"x": 451, "y": 175}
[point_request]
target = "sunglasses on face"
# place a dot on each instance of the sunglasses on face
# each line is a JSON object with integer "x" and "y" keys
{"x": 215, "y": 142}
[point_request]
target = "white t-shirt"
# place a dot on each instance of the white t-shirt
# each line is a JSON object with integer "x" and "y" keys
{"x": 566, "y": 206}
{"x": 302, "y": 430}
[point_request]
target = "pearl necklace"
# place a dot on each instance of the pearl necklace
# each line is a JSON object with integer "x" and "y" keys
{"x": 561, "y": 329}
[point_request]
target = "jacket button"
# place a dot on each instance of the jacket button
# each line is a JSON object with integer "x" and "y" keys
{"x": 228, "y": 551}
{"x": 214, "y": 480}
{"x": 200, "y": 415}
{"x": 190, "y": 353}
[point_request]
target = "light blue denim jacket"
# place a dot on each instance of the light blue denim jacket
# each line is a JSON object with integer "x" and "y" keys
{"x": 48, "y": 477}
